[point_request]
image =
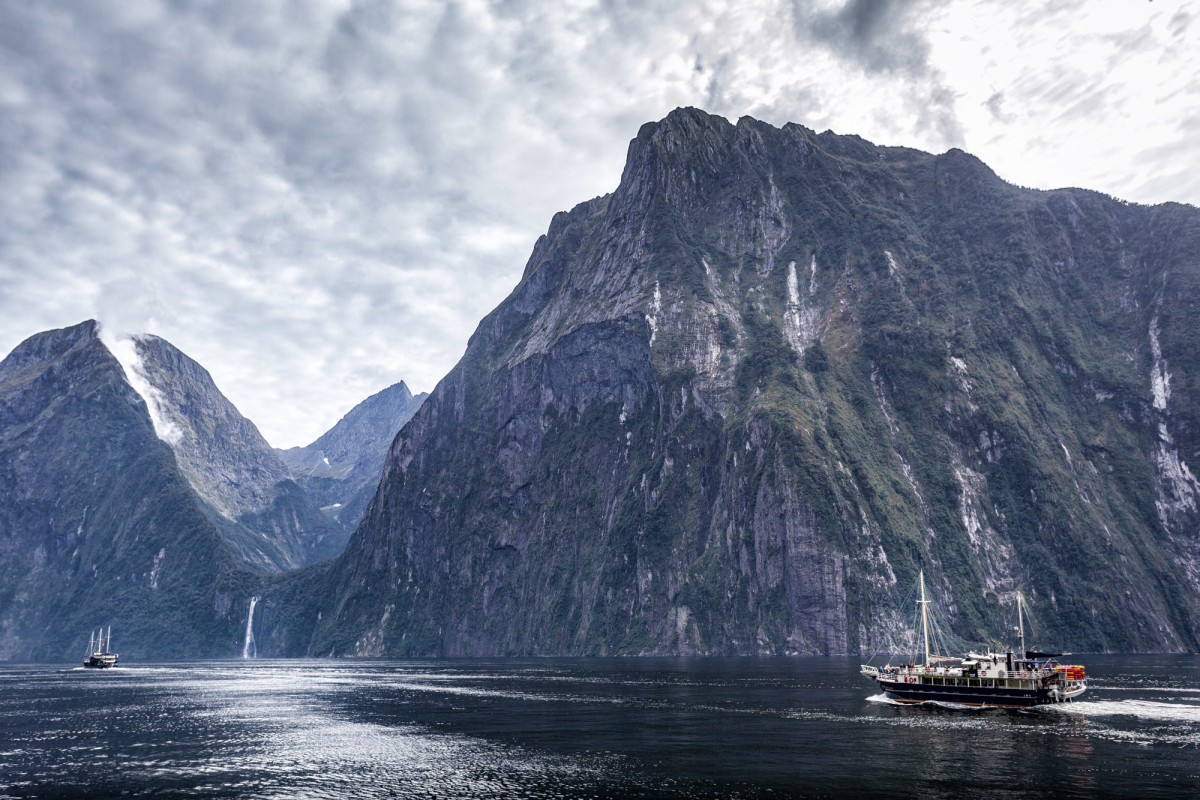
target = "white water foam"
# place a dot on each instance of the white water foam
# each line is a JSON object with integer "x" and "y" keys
{"x": 1142, "y": 709}
{"x": 883, "y": 698}
{"x": 1155, "y": 689}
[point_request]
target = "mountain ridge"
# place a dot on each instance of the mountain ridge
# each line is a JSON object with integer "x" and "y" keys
{"x": 341, "y": 468}
{"x": 767, "y": 379}
{"x": 99, "y": 526}
{"x": 730, "y": 408}
{"x": 265, "y": 517}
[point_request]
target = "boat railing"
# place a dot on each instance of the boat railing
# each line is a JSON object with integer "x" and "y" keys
{"x": 960, "y": 673}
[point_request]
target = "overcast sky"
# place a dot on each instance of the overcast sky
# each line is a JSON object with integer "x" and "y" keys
{"x": 318, "y": 199}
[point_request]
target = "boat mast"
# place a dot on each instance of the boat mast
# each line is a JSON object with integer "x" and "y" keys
{"x": 925, "y": 617}
{"x": 108, "y": 647}
{"x": 91, "y": 642}
{"x": 1021, "y": 621}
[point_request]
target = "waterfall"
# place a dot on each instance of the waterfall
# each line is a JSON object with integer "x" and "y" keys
{"x": 250, "y": 649}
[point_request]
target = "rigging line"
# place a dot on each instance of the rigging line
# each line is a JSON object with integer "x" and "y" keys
{"x": 1031, "y": 624}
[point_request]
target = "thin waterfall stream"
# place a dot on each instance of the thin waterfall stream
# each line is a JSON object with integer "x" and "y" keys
{"x": 250, "y": 649}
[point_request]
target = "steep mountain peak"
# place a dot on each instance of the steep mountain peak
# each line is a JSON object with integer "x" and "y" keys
{"x": 227, "y": 460}
{"x": 158, "y": 351}
{"x": 673, "y": 169}
{"x": 340, "y": 470}
{"x": 73, "y": 357}
{"x": 734, "y": 404}
{"x": 700, "y": 201}
{"x": 669, "y": 157}
{"x": 50, "y": 345}
{"x": 97, "y": 522}
{"x": 378, "y": 417}
{"x": 684, "y": 124}
{"x": 264, "y": 516}
{"x": 962, "y": 176}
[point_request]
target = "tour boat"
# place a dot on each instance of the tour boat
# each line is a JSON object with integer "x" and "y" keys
{"x": 1005, "y": 679}
{"x": 98, "y": 651}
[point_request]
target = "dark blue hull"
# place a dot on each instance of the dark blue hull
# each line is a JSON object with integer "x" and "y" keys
{"x": 101, "y": 661}
{"x": 966, "y": 695}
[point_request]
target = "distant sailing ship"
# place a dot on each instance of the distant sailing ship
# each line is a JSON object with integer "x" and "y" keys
{"x": 992, "y": 679}
{"x": 98, "y": 650}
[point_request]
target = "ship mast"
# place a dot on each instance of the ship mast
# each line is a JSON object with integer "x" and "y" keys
{"x": 1021, "y": 621}
{"x": 924, "y": 616}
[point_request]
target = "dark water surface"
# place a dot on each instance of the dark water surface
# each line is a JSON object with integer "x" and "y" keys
{"x": 797, "y": 727}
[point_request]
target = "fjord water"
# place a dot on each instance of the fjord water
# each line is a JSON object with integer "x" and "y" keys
{"x": 805, "y": 727}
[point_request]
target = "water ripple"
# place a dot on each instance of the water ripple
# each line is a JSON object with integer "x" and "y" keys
{"x": 569, "y": 728}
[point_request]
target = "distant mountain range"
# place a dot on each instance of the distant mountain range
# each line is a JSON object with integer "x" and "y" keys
{"x": 731, "y": 408}
{"x": 136, "y": 495}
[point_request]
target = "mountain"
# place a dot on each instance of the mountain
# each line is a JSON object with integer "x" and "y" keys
{"x": 98, "y": 524}
{"x": 341, "y": 469}
{"x": 265, "y": 518}
{"x": 734, "y": 406}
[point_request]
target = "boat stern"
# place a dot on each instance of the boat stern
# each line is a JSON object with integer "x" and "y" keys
{"x": 1072, "y": 681}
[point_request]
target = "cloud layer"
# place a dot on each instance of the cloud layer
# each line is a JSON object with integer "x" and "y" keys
{"x": 317, "y": 199}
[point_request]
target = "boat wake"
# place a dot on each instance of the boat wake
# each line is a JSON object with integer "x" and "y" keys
{"x": 1142, "y": 709}
{"x": 1151, "y": 689}
{"x": 887, "y": 701}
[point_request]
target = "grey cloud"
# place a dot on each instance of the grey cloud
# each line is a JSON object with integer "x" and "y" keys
{"x": 936, "y": 113}
{"x": 316, "y": 202}
{"x": 242, "y": 179}
{"x": 879, "y": 34}
{"x": 1179, "y": 23}
{"x": 1131, "y": 43}
{"x": 886, "y": 36}
{"x": 1160, "y": 172}
{"x": 214, "y": 170}
{"x": 995, "y": 106}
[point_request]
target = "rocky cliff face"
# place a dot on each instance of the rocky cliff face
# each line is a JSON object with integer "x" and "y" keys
{"x": 735, "y": 406}
{"x": 265, "y": 518}
{"x": 98, "y": 525}
{"x": 341, "y": 469}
